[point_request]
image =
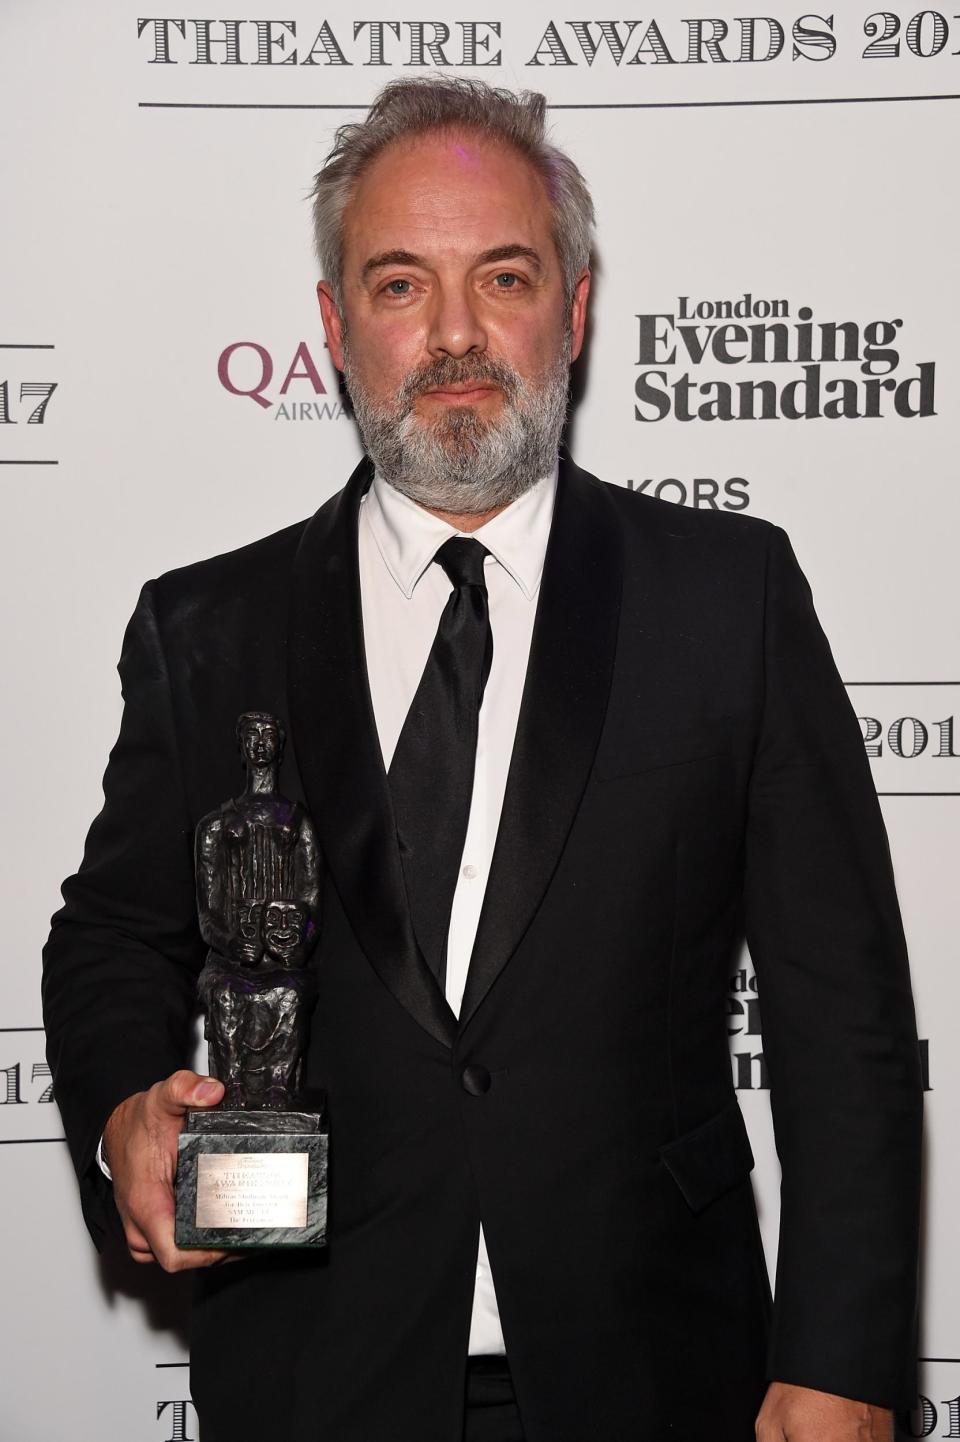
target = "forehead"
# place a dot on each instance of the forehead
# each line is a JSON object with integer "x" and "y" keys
{"x": 446, "y": 194}
{"x": 257, "y": 728}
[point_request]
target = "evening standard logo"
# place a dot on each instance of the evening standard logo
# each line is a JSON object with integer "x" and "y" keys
{"x": 756, "y": 359}
{"x": 911, "y": 735}
{"x": 27, "y": 1113}
{"x": 290, "y": 384}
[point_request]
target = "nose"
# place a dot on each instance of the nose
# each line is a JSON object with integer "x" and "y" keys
{"x": 455, "y": 327}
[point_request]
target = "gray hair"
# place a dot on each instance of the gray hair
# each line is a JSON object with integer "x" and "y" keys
{"x": 416, "y": 106}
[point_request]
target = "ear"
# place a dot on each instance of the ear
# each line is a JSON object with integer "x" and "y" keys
{"x": 578, "y": 313}
{"x": 332, "y": 322}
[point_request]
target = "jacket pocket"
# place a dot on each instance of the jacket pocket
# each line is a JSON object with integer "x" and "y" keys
{"x": 711, "y": 1159}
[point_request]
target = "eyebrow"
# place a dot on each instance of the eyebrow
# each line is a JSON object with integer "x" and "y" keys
{"x": 390, "y": 257}
{"x": 486, "y": 257}
{"x": 511, "y": 252}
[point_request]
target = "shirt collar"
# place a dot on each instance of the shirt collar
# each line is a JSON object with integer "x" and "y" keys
{"x": 408, "y": 537}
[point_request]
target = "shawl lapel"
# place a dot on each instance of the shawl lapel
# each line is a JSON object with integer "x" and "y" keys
{"x": 561, "y": 716}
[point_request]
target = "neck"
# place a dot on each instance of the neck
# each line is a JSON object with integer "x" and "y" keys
{"x": 466, "y": 521}
{"x": 261, "y": 781}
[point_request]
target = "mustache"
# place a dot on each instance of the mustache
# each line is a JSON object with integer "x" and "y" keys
{"x": 449, "y": 371}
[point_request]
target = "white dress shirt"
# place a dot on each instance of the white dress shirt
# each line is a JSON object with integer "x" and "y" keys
{"x": 403, "y": 593}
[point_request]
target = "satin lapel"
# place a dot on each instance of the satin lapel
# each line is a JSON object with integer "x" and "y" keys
{"x": 338, "y": 754}
{"x": 564, "y": 702}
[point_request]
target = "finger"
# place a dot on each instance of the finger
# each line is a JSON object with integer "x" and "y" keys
{"x": 185, "y": 1259}
{"x": 137, "y": 1244}
{"x": 136, "y": 1241}
{"x": 186, "y": 1089}
{"x": 151, "y": 1225}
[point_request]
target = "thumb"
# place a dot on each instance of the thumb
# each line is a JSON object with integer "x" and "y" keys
{"x": 186, "y": 1089}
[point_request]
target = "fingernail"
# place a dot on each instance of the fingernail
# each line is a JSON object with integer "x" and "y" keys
{"x": 205, "y": 1090}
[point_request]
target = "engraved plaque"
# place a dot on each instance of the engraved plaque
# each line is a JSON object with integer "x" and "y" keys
{"x": 252, "y": 1189}
{"x": 244, "y": 1183}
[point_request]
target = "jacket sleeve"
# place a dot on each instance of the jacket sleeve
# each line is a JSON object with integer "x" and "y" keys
{"x": 120, "y": 965}
{"x": 824, "y": 931}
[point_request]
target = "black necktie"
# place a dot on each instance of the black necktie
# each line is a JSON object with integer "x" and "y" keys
{"x": 431, "y": 774}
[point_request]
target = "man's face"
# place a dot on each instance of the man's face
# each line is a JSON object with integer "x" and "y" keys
{"x": 454, "y": 318}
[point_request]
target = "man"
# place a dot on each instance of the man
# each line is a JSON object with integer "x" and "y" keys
{"x": 558, "y": 742}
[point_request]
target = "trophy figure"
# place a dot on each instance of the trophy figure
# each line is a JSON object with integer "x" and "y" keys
{"x": 252, "y": 1171}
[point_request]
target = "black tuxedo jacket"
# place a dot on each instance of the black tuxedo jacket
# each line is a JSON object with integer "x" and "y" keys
{"x": 686, "y": 762}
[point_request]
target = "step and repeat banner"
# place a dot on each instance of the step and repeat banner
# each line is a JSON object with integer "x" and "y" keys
{"x": 774, "y": 333}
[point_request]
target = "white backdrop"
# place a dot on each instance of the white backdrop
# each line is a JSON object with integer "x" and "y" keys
{"x": 156, "y": 264}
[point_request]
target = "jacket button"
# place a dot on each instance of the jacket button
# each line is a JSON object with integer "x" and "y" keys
{"x": 475, "y": 1079}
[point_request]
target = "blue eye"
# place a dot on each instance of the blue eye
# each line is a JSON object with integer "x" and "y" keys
{"x": 506, "y": 281}
{"x": 393, "y": 284}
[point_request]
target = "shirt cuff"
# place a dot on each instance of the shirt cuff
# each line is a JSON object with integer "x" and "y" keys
{"x": 102, "y": 1162}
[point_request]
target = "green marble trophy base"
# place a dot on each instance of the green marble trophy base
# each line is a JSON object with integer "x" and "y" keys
{"x": 250, "y": 1179}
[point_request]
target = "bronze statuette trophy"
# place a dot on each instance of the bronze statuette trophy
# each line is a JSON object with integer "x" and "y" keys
{"x": 252, "y": 1171}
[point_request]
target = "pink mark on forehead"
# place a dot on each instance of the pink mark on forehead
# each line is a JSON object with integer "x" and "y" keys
{"x": 464, "y": 153}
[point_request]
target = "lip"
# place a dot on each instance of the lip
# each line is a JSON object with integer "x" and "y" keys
{"x": 462, "y": 393}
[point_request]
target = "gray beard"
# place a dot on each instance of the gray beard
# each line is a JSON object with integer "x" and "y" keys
{"x": 463, "y": 463}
